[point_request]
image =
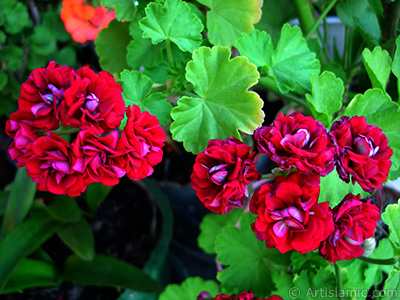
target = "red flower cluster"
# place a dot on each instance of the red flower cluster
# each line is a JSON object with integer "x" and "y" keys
{"x": 222, "y": 173}
{"x": 91, "y": 103}
{"x": 289, "y": 215}
{"x": 242, "y": 296}
{"x": 362, "y": 151}
{"x": 358, "y": 148}
{"x": 355, "y": 221}
{"x": 84, "y": 22}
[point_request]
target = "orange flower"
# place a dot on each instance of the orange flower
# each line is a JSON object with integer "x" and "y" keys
{"x": 84, "y": 22}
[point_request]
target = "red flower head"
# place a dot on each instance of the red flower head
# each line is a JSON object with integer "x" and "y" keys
{"x": 19, "y": 127}
{"x": 96, "y": 157}
{"x": 222, "y": 173}
{"x": 244, "y": 296}
{"x": 363, "y": 152}
{"x": 94, "y": 102}
{"x": 355, "y": 221}
{"x": 141, "y": 142}
{"x": 50, "y": 166}
{"x": 84, "y": 22}
{"x": 297, "y": 141}
{"x": 43, "y": 92}
{"x": 289, "y": 215}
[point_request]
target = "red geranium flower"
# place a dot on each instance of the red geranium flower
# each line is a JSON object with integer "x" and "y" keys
{"x": 222, "y": 173}
{"x": 84, "y": 22}
{"x": 19, "y": 127}
{"x": 141, "y": 142}
{"x": 50, "y": 166}
{"x": 43, "y": 92}
{"x": 297, "y": 141}
{"x": 97, "y": 157}
{"x": 94, "y": 102}
{"x": 355, "y": 221}
{"x": 289, "y": 215}
{"x": 363, "y": 152}
{"x": 242, "y": 296}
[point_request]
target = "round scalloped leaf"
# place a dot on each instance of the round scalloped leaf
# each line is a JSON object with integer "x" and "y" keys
{"x": 293, "y": 62}
{"x": 189, "y": 289}
{"x": 136, "y": 91}
{"x": 250, "y": 264}
{"x": 124, "y": 9}
{"x": 377, "y": 63}
{"x": 228, "y": 19}
{"x": 141, "y": 52}
{"x": 257, "y": 46}
{"x": 172, "y": 20}
{"x": 111, "y": 46}
{"x": 224, "y": 106}
{"x": 16, "y": 16}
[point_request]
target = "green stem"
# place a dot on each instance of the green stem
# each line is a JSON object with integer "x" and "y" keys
{"x": 68, "y": 131}
{"x": 376, "y": 261}
{"x": 169, "y": 52}
{"x": 320, "y": 18}
{"x": 268, "y": 176}
{"x": 303, "y": 9}
{"x": 339, "y": 281}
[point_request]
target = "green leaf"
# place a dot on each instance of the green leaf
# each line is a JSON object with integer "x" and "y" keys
{"x": 63, "y": 208}
{"x": 316, "y": 285}
{"x": 212, "y": 225}
{"x": 25, "y": 238}
{"x": 108, "y": 271}
{"x": 385, "y": 114}
{"x": 137, "y": 91}
{"x": 391, "y": 289}
{"x": 391, "y": 218}
{"x": 333, "y": 189}
{"x": 31, "y": 273}
{"x": 190, "y": 289}
{"x": 359, "y": 14}
{"x": 142, "y": 52}
{"x": 43, "y": 42}
{"x": 283, "y": 283}
{"x": 326, "y": 97}
{"x": 257, "y": 47}
{"x": 19, "y": 202}
{"x": 124, "y": 9}
{"x": 396, "y": 63}
{"x": 377, "y": 63}
{"x": 13, "y": 57}
{"x": 249, "y": 262}
{"x": 95, "y": 194}
{"x": 310, "y": 261}
{"x": 225, "y": 104}
{"x": 55, "y": 25}
{"x": 172, "y": 20}
{"x": 228, "y": 19}
{"x": 293, "y": 63}
{"x": 66, "y": 56}
{"x": 111, "y": 46}
{"x": 79, "y": 237}
{"x": 16, "y": 16}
